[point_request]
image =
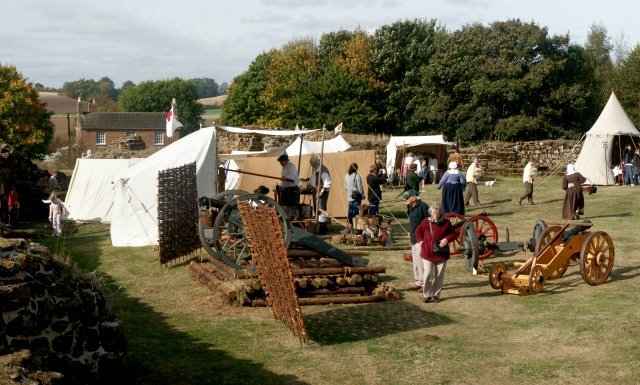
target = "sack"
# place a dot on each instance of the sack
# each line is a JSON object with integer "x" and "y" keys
{"x": 356, "y": 196}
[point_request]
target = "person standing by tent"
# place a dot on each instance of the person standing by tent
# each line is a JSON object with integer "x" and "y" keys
{"x": 433, "y": 168}
{"x": 289, "y": 192}
{"x": 456, "y": 157}
{"x": 527, "y": 179}
{"x": 572, "y": 182}
{"x": 56, "y": 210}
{"x": 355, "y": 192}
{"x": 417, "y": 211}
{"x": 374, "y": 192}
{"x": 413, "y": 180}
{"x": 320, "y": 180}
{"x": 636, "y": 166}
{"x": 472, "y": 182}
{"x": 13, "y": 206}
{"x": 452, "y": 184}
{"x": 627, "y": 155}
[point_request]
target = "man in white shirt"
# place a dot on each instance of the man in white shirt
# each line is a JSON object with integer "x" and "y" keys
{"x": 527, "y": 179}
{"x": 321, "y": 181}
{"x": 288, "y": 190}
{"x": 433, "y": 168}
{"x": 472, "y": 180}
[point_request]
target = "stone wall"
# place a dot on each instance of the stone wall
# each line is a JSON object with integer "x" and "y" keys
{"x": 59, "y": 315}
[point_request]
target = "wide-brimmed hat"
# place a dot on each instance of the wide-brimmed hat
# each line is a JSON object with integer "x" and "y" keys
{"x": 410, "y": 193}
{"x": 264, "y": 190}
{"x": 283, "y": 157}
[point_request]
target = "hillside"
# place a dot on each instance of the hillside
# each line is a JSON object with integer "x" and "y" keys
{"x": 214, "y": 102}
{"x": 58, "y": 104}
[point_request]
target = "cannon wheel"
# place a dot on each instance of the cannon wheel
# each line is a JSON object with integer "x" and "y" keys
{"x": 495, "y": 275}
{"x": 455, "y": 218}
{"x": 536, "y": 279}
{"x": 538, "y": 229}
{"x": 470, "y": 243}
{"x": 206, "y": 232}
{"x": 596, "y": 258}
{"x": 545, "y": 237}
{"x": 485, "y": 231}
{"x": 559, "y": 272}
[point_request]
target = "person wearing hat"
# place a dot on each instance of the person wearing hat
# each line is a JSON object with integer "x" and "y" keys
{"x": 320, "y": 180}
{"x": 413, "y": 180}
{"x": 417, "y": 211}
{"x": 572, "y": 182}
{"x": 375, "y": 179}
{"x": 288, "y": 191}
{"x": 452, "y": 184}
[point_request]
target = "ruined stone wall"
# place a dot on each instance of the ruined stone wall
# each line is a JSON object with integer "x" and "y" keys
{"x": 59, "y": 315}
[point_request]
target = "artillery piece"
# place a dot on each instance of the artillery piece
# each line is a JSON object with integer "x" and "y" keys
{"x": 222, "y": 232}
{"x": 554, "y": 250}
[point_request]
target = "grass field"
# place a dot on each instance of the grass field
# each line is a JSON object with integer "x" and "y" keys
{"x": 571, "y": 333}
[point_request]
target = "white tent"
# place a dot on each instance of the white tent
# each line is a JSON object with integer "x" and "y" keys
{"x": 337, "y": 144}
{"x": 90, "y": 194}
{"x": 134, "y": 220}
{"x": 605, "y": 142}
{"x": 434, "y": 144}
{"x": 235, "y": 161}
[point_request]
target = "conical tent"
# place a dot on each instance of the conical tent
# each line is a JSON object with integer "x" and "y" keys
{"x": 604, "y": 142}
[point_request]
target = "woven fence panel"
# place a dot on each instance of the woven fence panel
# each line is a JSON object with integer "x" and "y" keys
{"x": 266, "y": 241}
{"x": 177, "y": 212}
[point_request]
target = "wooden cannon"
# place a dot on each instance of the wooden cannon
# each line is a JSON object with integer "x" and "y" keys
{"x": 554, "y": 251}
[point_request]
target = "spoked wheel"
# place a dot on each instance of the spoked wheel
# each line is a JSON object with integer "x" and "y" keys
{"x": 455, "y": 218}
{"x": 538, "y": 229}
{"x": 205, "y": 228}
{"x": 536, "y": 279}
{"x": 470, "y": 243}
{"x": 495, "y": 276}
{"x": 486, "y": 231}
{"x": 596, "y": 258}
{"x": 229, "y": 239}
{"x": 546, "y": 237}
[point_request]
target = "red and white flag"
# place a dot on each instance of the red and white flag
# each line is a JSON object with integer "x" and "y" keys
{"x": 338, "y": 128}
{"x": 172, "y": 123}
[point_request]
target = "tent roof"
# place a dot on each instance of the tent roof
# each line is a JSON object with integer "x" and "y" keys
{"x": 337, "y": 144}
{"x": 237, "y": 130}
{"x": 399, "y": 141}
{"x": 613, "y": 120}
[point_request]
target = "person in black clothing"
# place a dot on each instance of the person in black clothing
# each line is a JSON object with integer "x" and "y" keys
{"x": 627, "y": 155}
{"x": 374, "y": 192}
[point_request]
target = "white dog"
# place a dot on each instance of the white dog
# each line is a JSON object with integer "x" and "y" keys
{"x": 489, "y": 183}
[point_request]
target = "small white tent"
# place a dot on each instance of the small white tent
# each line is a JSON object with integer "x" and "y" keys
{"x": 605, "y": 142}
{"x": 337, "y": 144}
{"x": 134, "y": 220}
{"x": 434, "y": 144}
{"x": 90, "y": 194}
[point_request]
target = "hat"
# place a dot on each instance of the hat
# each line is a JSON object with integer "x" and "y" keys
{"x": 264, "y": 190}
{"x": 453, "y": 165}
{"x": 410, "y": 193}
{"x": 413, "y": 166}
{"x": 283, "y": 157}
{"x": 571, "y": 169}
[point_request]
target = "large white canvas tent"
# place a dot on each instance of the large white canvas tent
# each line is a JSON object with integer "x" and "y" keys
{"x": 399, "y": 145}
{"x": 337, "y": 144}
{"x": 134, "y": 220}
{"x": 604, "y": 143}
{"x": 90, "y": 194}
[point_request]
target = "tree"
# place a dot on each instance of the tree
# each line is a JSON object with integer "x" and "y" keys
{"x": 224, "y": 87}
{"x": 25, "y": 123}
{"x": 156, "y": 96}
{"x": 598, "y": 50}
{"x": 628, "y": 85}
{"x": 126, "y": 85}
{"x": 84, "y": 87}
{"x": 244, "y": 105}
{"x": 206, "y": 87}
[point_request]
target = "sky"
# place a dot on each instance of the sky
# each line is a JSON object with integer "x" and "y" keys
{"x": 54, "y": 41}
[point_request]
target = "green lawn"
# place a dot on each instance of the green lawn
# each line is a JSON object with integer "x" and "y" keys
{"x": 571, "y": 333}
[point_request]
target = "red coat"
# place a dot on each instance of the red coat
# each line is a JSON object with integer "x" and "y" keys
{"x": 441, "y": 229}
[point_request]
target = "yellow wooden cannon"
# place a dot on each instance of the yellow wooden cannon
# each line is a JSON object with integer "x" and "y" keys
{"x": 554, "y": 250}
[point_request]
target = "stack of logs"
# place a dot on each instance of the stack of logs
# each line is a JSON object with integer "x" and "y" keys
{"x": 317, "y": 282}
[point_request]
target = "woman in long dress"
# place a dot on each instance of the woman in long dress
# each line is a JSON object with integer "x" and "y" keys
{"x": 452, "y": 184}
{"x": 573, "y": 198}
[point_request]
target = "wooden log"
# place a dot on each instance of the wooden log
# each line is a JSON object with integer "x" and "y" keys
{"x": 302, "y": 283}
{"x": 340, "y": 290}
{"x": 342, "y": 281}
{"x": 245, "y": 274}
{"x": 313, "y": 294}
{"x": 209, "y": 279}
{"x": 354, "y": 279}
{"x": 374, "y": 269}
{"x": 339, "y": 300}
{"x": 223, "y": 268}
{"x": 258, "y": 302}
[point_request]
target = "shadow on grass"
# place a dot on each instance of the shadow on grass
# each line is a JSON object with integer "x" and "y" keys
{"x": 625, "y": 214}
{"x": 623, "y": 273}
{"x": 159, "y": 353}
{"x": 363, "y": 322}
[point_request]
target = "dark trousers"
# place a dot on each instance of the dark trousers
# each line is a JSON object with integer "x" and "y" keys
{"x": 528, "y": 192}
{"x": 472, "y": 192}
{"x": 290, "y": 196}
{"x": 354, "y": 210}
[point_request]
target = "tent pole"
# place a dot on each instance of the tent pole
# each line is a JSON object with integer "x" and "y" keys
{"x": 300, "y": 153}
{"x": 318, "y": 179}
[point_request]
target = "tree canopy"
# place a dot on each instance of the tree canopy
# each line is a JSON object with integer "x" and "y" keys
{"x": 156, "y": 96}
{"x": 25, "y": 123}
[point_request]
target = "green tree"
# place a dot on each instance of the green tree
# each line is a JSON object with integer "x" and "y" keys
{"x": 598, "y": 50}
{"x": 628, "y": 85}
{"x": 126, "y": 85}
{"x": 206, "y": 87}
{"x": 25, "y": 123}
{"x": 399, "y": 52}
{"x": 507, "y": 81}
{"x": 156, "y": 96}
{"x": 84, "y": 87}
{"x": 244, "y": 105}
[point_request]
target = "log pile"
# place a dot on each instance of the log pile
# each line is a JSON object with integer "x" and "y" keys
{"x": 317, "y": 281}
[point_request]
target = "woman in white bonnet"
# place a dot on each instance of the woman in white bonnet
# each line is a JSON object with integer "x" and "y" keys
{"x": 452, "y": 184}
{"x": 573, "y": 199}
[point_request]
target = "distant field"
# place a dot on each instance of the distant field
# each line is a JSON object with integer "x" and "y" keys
{"x": 212, "y": 111}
